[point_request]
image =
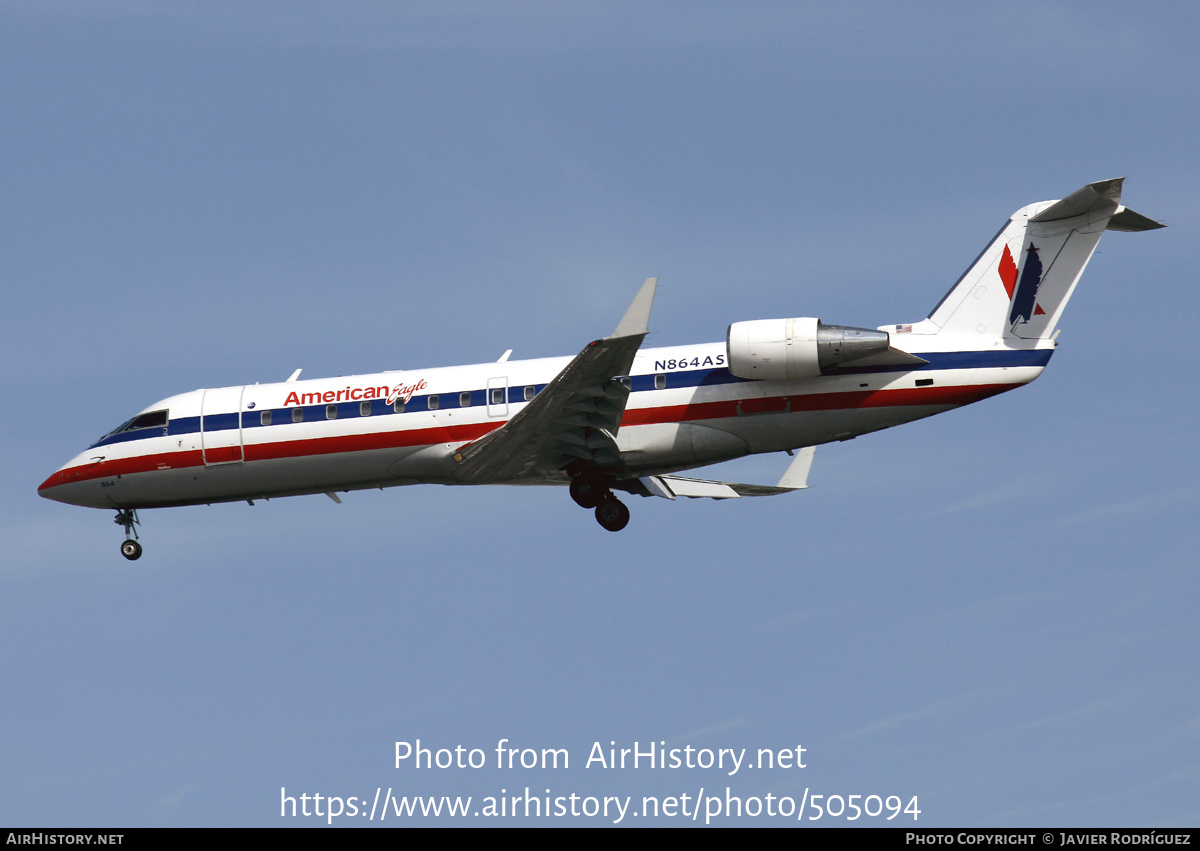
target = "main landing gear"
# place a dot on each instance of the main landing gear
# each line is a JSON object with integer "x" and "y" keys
{"x": 130, "y": 548}
{"x": 590, "y": 492}
{"x": 612, "y": 514}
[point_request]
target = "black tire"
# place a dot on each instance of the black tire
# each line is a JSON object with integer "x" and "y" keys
{"x": 587, "y": 493}
{"x": 132, "y": 550}
{"x": 612, "y": 514}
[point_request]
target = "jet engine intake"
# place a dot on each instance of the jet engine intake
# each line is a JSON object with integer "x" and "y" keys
{"x": 803, "y": 347}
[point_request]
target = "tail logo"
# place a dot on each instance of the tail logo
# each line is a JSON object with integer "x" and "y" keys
{"x": 1024, "y": 303}
{"x": 1008, "y": 272}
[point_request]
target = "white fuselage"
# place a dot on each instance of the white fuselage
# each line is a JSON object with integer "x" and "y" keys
{"x": 403, "y": 427}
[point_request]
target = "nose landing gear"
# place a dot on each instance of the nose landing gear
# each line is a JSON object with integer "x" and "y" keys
{"x": 130, "y": 548}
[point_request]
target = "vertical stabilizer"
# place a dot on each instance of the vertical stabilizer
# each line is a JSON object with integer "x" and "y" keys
{"x": 1056, "y": 248}
{"x": 979, "y": 301}
{"x": 1019, "y": 285}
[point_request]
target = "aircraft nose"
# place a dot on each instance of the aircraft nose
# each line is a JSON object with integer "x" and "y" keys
{"x": 69, "y": 484}
{"x": 54, "y": 487}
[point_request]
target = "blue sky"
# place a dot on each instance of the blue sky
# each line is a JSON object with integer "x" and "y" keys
{"x": 992, "y": 610}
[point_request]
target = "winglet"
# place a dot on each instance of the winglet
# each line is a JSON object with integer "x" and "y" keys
{"x": 795, "y": 476}
{"x": 637, "y": 317}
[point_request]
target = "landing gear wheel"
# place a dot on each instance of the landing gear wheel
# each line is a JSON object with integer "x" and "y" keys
{"x": 612, "y": 514}
{"x": 128, "y": 520}
{"x": 587, "y": 493}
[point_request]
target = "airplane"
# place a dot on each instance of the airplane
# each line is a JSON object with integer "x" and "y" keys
{"x": 616, "y": 417}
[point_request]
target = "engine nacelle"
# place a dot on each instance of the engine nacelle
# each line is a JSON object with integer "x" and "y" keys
{"x": 782, "y": 349}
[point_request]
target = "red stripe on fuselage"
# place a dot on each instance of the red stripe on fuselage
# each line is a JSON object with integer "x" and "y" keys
{"x": 956, "y": 395}
{"x": 960, "y": 395}
{"x": 276, "y": 449}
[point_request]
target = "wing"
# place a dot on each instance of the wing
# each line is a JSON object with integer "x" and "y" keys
{"x": 670, "y": 487}
{"x": 573, "y": 421}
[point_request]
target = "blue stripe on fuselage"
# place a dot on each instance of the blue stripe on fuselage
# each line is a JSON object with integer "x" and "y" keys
{"x": 638, "y": 384}
{"x": 960, "y": 360}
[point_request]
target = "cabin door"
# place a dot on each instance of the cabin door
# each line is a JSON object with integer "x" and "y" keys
{"x": 221, "y": 426}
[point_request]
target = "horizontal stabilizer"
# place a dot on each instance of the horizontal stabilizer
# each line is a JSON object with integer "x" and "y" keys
{"x": 1102, "y": 197}
{"x": 1128, "y": 221}
{"x": 794, "y": 478}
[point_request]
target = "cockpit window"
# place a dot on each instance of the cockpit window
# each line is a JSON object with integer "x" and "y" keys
{"x": 153, "y": 419}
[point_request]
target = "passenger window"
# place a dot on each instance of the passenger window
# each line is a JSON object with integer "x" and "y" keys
{"x": 364, "y": 409}
{"x": 433, "y": 402}
{"x": 331, "y": 412}
{"x": 265, "y": 417}
{"x": 398, "y": 406}
{"x": 660, "y": 382}
{"x": 498, "y": 396}
{"x": 628, "y": 382}
{"x": 297, "y": 415}
{"x": 530, "y": 392}
{"x": 464, "y": 399}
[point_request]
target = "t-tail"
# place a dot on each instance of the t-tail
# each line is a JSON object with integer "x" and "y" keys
{"x": 1019, "y": 285}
